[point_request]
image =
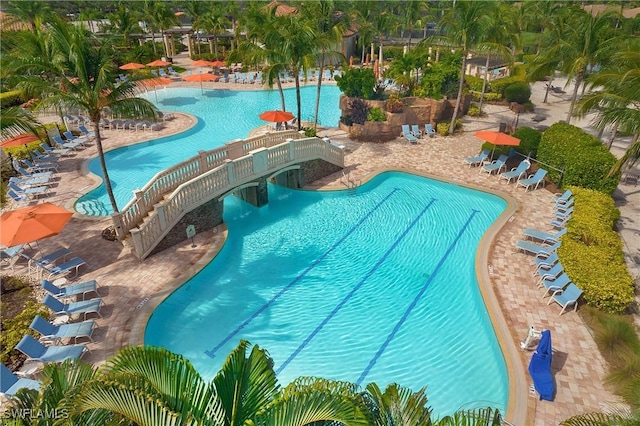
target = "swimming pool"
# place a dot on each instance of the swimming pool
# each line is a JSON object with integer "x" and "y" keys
{"x": 378, "y": 286}
{"x": 223, "y": 115}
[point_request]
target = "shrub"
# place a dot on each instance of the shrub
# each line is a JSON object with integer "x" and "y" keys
{"x": 529, "y": 140}
{"x": 592, "y": 255}
{"x": 586, "y": 162}
{"x": 357, "y": 83}
{"x": 442, "y": 129}
{"x": 519, "y": 92}
{"x": 309, "y": 132}
{"x": 474, "y": 111}
{"x": 376, "y": 114}
{"x": 16, "y": 326}
{"x": 359, "y": 111}
{"x": 394, "y": 104}
{"x": 488, "y": 96}
{"x": 475, "y": 83}
{"x": 499, "y": 85}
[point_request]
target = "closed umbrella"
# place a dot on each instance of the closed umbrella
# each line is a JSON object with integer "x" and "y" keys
{"x": 18, "y": 140}
{"x": 132, "y": 66}
{"x": 200, "y": 78}
{"x": 32, "y": 223}
{"x": 497, "y": 138}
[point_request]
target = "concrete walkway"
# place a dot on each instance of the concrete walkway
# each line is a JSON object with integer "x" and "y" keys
{"x": 128, "y": 285}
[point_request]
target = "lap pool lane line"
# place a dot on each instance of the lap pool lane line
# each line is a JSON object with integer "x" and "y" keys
{"x": 211, "y": 353}
{"x": 415, "y": 300}
{"x": 354, "y": 289}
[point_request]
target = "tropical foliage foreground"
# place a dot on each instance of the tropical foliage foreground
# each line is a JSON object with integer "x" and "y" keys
{"x": 152, "y": 386}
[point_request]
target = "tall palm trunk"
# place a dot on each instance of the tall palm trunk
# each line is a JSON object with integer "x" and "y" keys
{"x": 484, "y": 83}
{"x": 319, "y": 86}
{"x": 459, "y": 99}
{"x": 215, "y": 45}
{"x": 103, "y": 165}
{"x": 153, "y": 42}
{"x": 575, "y": 95}
{"x": 281, "y": 92}
{"x": 298, "y": 101}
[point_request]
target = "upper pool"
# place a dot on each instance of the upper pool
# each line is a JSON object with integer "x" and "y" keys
{"x": 223, "y": 115}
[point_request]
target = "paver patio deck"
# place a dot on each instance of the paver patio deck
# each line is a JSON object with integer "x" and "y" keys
{"x": 127, "y": 284}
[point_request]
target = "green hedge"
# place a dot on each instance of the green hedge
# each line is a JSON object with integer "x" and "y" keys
{"x": 591, "y": 252}
{"x": 519, "y": 92}
{"x": 499, "y": 85}
{"x": 586, "y": 162}
{"x": 475, "y": 83}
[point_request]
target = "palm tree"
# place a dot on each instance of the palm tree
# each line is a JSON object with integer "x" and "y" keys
{"x": 216, "y": 23}
{"x": 615, "y": 98}
{"x": 500, "y": 35}
{"x": 331, "y": 24}
{"x": 84, "y": 74}
{"x": 295, "y": 39}
{"x": 401, "y": 68}
{"x": 33, "y": 13}
{"x": 580, "y": 48}
{"x": 152, "y": 386}
{"x": 162, "y": 18}
{"x": 15, "y": 121}
{"x": 397, "y": 406}
{"x": 412, "y": 16}
{"x": 464, "y": 26}
{"x": 601, "y": 419}
{"x": 123, "y": 22}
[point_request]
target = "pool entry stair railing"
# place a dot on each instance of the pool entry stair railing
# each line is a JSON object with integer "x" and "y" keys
{"x": 350, "y": 182}
{"x": 212, "y": 175}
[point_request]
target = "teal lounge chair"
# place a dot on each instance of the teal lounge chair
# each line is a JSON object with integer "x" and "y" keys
{"x": 562, "y": 214}
{"x": 75, "y": 139}
{"x": 553, "y": 285}
{"x": 66, "y": 145}
{"x": 86, "y": 132}
{"x": 564, "y": 197}
{"x": 71, "y": 290}
{"x": 496, "y": 165}
{"x": 10, "y": 384}
{"x": 562, "y": 208}
{"x": 36, "y": 351}
{"x": 429, "y": 130}
{"x": 31, "y": 191}
{"x": 57, "y": 151}
{"x": 406, "y": 132}
{"x": 545, "y": 262}
{"x": 63, "y": 268}
{"x": 560, "y": 222}
{"x": 533, "y": 181}
{"x": 55, "y": 333}
{"x": 535, "y": 249}
{"x": 534, "y": 234}
{"x": 552, "y": 274}
{"x": 415, "y": 131}
{"x": 566, "y": 297}
{"x": 91, "y": 306}
{"x": 478, "y": 159}
{"x": 516, "y": 173}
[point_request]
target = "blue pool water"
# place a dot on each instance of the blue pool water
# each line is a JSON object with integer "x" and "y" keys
{"x": 374, "y": 287}
{"x": 223, "y": 115}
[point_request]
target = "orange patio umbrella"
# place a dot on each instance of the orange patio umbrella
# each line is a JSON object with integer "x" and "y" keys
{"x": 32, "y": 223}
{"x": 202, "y": 63}
{"x": 497, "y": 138}
{"x": 218, "y": 64}
{"x": 18, "y": 140}
{"x": 132, "y": 66}
{"x": 200, "y": 78}
{"x": 276, "y": 116}
{"x": 158, "y": 63}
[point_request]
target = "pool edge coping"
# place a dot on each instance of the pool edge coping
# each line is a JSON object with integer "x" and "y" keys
{"x": 518, "y": 411}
